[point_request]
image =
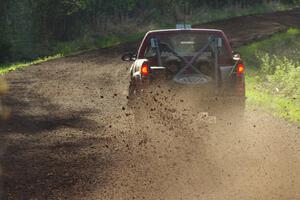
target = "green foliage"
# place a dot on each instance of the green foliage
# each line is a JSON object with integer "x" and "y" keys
{"x": 36, "y": 28}
{"x": 284, "y": 44}
{"x": 114, "y": 40}
{"x": 4, "y": 51}
{"x": 280, "y": 75}
{"x": 66, "y": 48}
{"x": 108, "y": 41}
{"x": 235, "y": 10}
{"x": 274, "y": 83}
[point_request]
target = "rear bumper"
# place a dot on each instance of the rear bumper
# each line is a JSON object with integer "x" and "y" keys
{"x": 233, "y": 87}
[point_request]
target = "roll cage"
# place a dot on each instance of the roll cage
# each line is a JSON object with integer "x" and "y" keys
{"x": 215, "y": 42}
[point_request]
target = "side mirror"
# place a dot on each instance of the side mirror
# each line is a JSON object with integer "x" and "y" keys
{"x": 236, "y": 55}
{"x": 129, "y": 57}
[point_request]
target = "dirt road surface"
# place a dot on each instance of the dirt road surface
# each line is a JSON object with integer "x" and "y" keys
{"x": 73, "y": 136}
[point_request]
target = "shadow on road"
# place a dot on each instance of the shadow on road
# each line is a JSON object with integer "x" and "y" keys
{"x": 32, "y": 113}
{"x": 46, "y": 155}
{"x": 39, "y": 170}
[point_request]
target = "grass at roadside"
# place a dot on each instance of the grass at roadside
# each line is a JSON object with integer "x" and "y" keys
{"x": 4, "y": 68}
{"x": 278, "y": 105}
{"x": 273, "y": 76}
{"x": 88, "y": 43}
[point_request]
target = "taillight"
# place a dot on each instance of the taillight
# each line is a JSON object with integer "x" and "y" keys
{"x": 145, "y": 69}
{"x": 240, "y": 68}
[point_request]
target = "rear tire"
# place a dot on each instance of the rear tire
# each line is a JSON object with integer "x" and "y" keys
{"x": 132, "y": 90}
{"x": 134, "y": 94}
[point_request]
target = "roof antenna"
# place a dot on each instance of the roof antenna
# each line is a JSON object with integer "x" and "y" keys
{"x": 184, "y": 13}
{"x": 184, "y": 25}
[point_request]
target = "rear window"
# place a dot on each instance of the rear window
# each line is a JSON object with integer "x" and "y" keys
{"x": 184, "y": 44}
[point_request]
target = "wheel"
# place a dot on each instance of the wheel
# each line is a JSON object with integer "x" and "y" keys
{"x": 134, "y": 90}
